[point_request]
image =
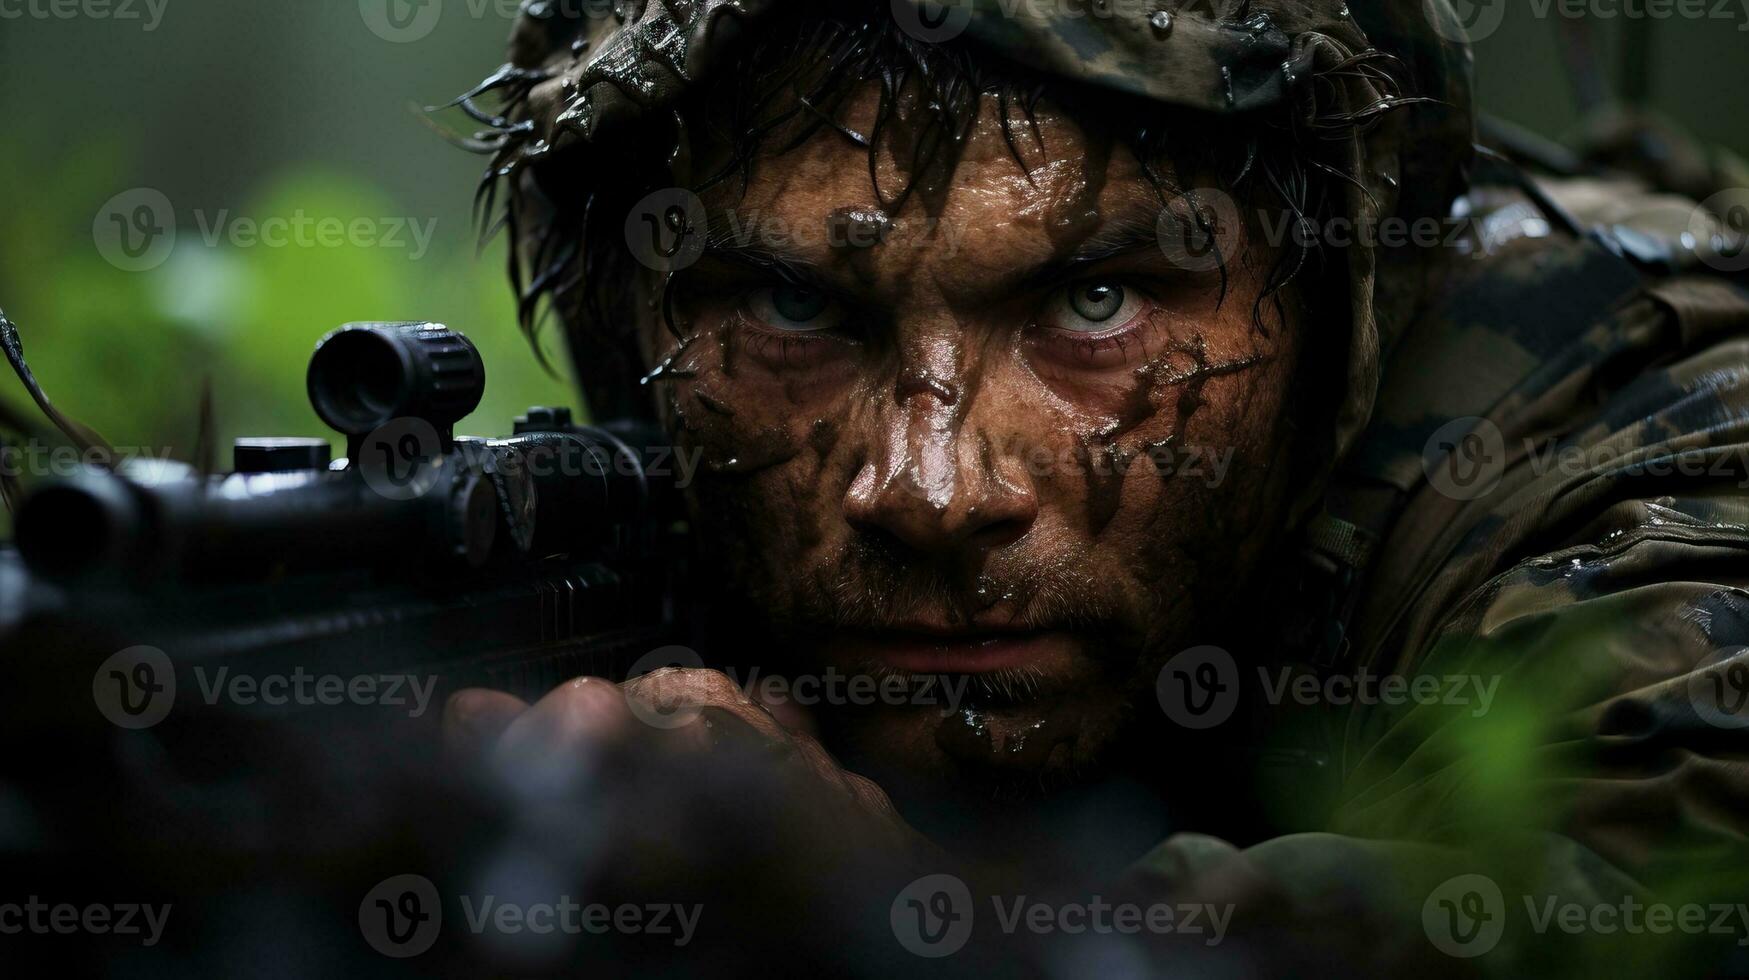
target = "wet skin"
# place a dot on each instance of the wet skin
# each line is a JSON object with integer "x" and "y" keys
{"x": 944, "y": 453}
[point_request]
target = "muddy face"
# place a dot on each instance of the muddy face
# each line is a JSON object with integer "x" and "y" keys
{"x": 997, "y": 434}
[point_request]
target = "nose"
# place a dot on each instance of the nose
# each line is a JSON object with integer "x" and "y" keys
{"x": 936, "y": 490}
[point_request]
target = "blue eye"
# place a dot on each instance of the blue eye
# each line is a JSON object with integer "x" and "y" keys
{"x": 1096, "y": 301}
{"x": 1091, "y": 306}
{"x": 794, "y": 309}
{"x": 797, "y": 304}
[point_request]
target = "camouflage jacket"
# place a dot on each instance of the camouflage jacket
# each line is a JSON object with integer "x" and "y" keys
{"x": 1552, "y": 499}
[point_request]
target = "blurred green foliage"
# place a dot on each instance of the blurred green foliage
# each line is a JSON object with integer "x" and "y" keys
{"x": 245, "y": 317}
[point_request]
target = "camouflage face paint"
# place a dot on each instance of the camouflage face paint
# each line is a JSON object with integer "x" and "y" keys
{"x": 898, "y": 440}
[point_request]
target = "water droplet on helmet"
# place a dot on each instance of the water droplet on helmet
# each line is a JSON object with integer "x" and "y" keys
{"x": 1161, "y": 22}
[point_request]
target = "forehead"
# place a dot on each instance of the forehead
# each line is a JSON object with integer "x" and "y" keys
{"x": 992, "y": 211}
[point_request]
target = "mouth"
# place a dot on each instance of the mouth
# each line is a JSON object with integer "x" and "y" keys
{"x": 925, "y": 649}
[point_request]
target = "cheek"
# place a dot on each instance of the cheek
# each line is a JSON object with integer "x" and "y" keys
{"x": 753, "y": 402}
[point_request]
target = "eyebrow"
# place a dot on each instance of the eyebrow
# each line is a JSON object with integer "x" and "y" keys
{"x": 1131, "y": 231}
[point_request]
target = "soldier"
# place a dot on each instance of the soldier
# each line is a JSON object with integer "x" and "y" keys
{"x": 1350, "y": 521}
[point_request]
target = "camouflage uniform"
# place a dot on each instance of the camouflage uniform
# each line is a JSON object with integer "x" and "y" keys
{"x": 1545, "y": 449}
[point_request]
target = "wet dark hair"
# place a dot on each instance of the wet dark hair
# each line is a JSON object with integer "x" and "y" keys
{"x": 566, "y": 213}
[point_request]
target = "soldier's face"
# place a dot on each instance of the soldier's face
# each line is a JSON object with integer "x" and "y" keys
{"x": 1017, "y": 441}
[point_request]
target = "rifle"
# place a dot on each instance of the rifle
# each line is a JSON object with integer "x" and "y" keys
{"x": 513, "y": 562}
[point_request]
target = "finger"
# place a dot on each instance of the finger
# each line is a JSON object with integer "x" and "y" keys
{"x": 672, "y": 697}
{"x": 817, "y": 759}
{"x": 475, "y": 718}
{"x": 574, "y": 720}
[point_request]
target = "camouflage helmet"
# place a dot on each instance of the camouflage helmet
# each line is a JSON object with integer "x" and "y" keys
{"x": 582, "y": 70}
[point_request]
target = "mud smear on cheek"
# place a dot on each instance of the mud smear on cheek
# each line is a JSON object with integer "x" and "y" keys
{"x": 727, "y": 453}
{"x": 1106, "y": 455}
{"x": 712, "y": 404}
{"x": 669, "y": 370}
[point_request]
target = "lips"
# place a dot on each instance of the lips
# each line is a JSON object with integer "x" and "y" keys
{"x": 926, "y": 649}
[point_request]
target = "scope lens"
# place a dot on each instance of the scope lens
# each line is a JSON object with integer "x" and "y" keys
{"x": 64, "y": 530}
{"x": 358, "y": 381}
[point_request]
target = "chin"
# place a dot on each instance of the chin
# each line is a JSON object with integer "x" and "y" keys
{"x": 998, "y": 736}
